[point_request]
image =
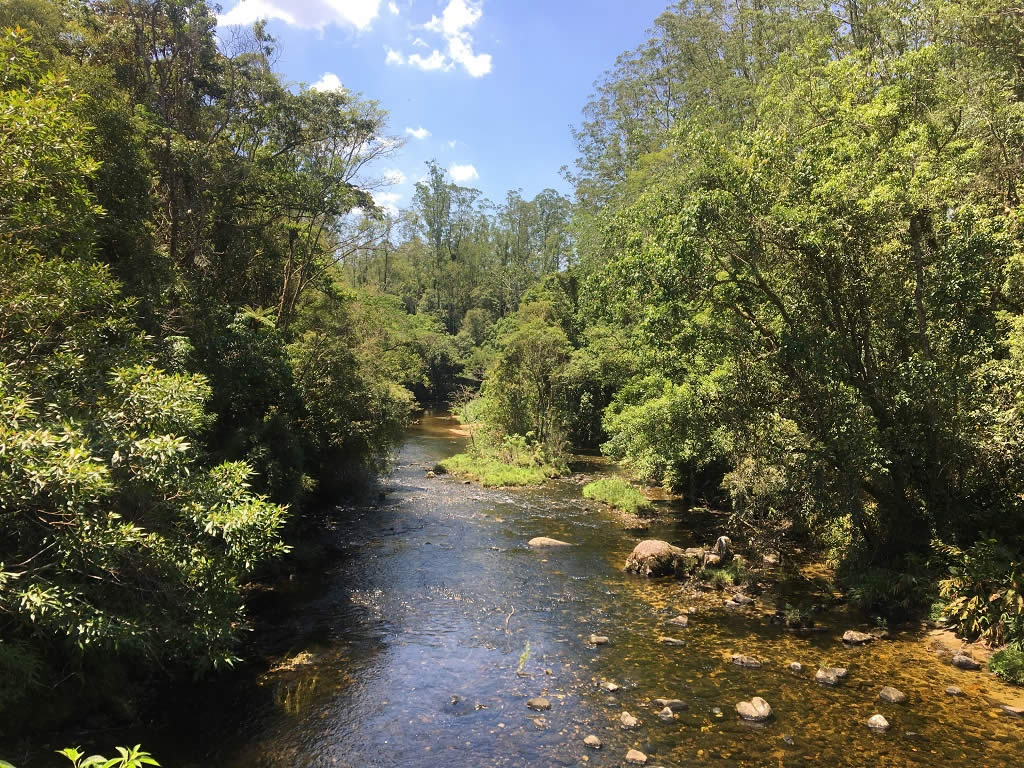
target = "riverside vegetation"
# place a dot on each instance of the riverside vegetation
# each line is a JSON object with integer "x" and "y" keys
{"x": 790, "y": 285}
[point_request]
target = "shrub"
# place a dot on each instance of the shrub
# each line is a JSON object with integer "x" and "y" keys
{"x": 618, "y": 493}
{"x": 984, "y": 593}
{"x": 1008, "y": 665}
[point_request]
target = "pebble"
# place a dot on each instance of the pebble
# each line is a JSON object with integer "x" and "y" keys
{"x": 892, "y": 695}
{"x": 670, "y": 641}
{"x": 598, "y": 640}
{"x": 539, "y": 703}
{"x": 610, "y": 686}
{"x": 954, "y": 690}
{"x": 680, "y": 621}
{"x": 592, "y": 741}
{"x": 830, "y": 675}
{"x": 667, "y": 714}
{"x": 796, "y": 666}
{"x": 878, "y": 723}
{"x": 636, "y": 756}
{"x": 674, "y": 704}
{"x": 963, "y": 661}
{"x": 1011, "y": 710}
{"x": 852, "y": 637}
{"x": 757, "y": 710}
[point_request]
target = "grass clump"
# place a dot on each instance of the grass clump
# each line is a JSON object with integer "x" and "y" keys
{"x": 616, "y": 492}
{"x": 489, "y": 471}
{"x": 1008, "y": 665}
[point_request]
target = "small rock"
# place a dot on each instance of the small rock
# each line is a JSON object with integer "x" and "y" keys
{"x": 1008, "y": 709}
{"x": 670, "y": 641}
{"x": 878, "y": 723}
{"x": 830, "y": 675}
{"x": 757, "y": 710}
{"x": 892, "y": 695}
{"x": 796, "y": 666}
{"x": 674, "y": 704}
{"x": 716, "y": 711}
{"x": 541, "y": 722}
{"x": 745, "y": 661}
{"x": 964, "y": 661}
{"x": 680, "y": 621}
{"x": 788, "y": 740}
{"x": 598, "y": 640}
{"x": 666, "y": 714}
{"x": 954, "y": 690}
{"x": 431, "y": 473}
{"x": 742, "y": 599}
{"x": 626, "y": 720}
{"x": 544, "y": 541}
{"x": 853, "y": 637}
{"x": 610, "y": 686}
{"x": 879, "y": 633}
{"x": 467, "y": 482}
{"x": 636, "y": 756}
{"x": 592, "y": 741}
{"x": 539, "y": 703}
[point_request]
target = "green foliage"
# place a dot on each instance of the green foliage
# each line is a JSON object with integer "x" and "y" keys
{"x": 1008, "y": 665}
{"x": 983, "y": 592}
{"x": 134, "y": 757}
{"x": 509, "y": 469}
{"x": 618, "y": 493}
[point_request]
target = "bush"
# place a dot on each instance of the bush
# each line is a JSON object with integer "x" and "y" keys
{"x": 984, "y": 593}
{"x": 1008, "y": 665}
{"x": 618, "y": 493}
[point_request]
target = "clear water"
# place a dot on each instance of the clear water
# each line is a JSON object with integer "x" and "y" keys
{"x": 414, "y": 653}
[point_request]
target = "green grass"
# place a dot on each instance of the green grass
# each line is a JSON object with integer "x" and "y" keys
{"x": 617, "y": 493}
{"x": 493, "y": 473}
{"x": 1008, "y": 665}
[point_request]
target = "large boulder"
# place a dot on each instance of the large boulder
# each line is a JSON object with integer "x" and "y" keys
{"x": 656, "y": 558}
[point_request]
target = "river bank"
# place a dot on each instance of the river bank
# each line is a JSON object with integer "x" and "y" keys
{"x": 423, "y": 635}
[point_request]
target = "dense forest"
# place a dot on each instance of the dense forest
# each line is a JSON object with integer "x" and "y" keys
{"x": 790, "y": 284}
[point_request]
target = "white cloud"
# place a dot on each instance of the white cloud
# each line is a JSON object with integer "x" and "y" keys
{"x": 419, "y": 42}
{"x": 451, "y": 144}
{"x": 388, "y": 201}
{"x": 463, "y": 173}
{"x": 394, "y": 176}
{"x": 458, "y": 17}
{"x": 435, "y": 60}
{"x": 418, "y": 133}
{"x": 329, "y": 82}
{"x": 394, "y": 57}
{"x": 309, "y": 14}
{"x": 393, "y": 8}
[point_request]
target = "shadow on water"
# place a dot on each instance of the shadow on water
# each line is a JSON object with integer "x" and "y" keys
{"x": 420, "y": 641}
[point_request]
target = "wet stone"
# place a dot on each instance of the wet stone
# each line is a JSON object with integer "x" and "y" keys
{"x": 670, "y": 641}
{"x": 1007, "y": 709}
{"x": 964, "y": 661}
{"x": 796, "y": 666}
{"x": 892, "y": 695}
{"x": 830, "y": 675}
{"x": 757, "y": 710}
{"x": 680, "y": 621}
{"x": 741, "y": 599}
{"x": 610, "y": 686}
{"x": 627, "y": 720}
{"x": 954, "y": 690}
{"x": 544, "y": 541}
{"x": 539, "y": 703}
{"x": 598, "y": 640}
{"x": 853, "y": 637}
{"x": 745, "y": 661}
{"x": 592, "y": 741}
{"x": 666, "y": 714}
{"x": 636, "y": 756}
{"x": 878, "y": 723}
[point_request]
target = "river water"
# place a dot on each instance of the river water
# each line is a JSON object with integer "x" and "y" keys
{"x": 419, "y": 644}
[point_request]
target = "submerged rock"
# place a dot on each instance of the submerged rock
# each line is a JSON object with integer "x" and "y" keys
{"x": 830, "y": 675}
{"x": 1008, "y": 709}
{"x": 954, "y": 690}
{"x": 544, "y": 541}
{"x": 674, "y": 704}
{"x": 592, "y": 741}
{"x": 682, "y": 620}
{"x": 757, "y": 710}
{"x": 654, "y": 557}
{"x": 610, "y": 686}
{"x": 892, "y": 695}
{"x": 853, "y": 637}
{"x": 636, "y": 756}
{"x": 626, "y": 720}
{"x": 539, "y": 703}
{"x": 745, "y": 661}
{"x": 878, "y": 723}
{"x": 962, "y": 660}
{"x": 741, "y": 599}
{"x": 598, "y": 640}
{"x": 796, "y": 666}
{"x": 670, "y": 641}
{"x": 666, "y": 714}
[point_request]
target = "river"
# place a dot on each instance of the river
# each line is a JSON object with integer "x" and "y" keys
{"x": 421, "y": 641}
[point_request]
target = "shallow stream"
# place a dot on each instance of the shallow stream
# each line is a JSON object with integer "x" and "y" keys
{"x": 419, "y": 645}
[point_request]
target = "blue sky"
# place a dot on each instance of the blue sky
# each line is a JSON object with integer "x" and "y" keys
{"x": 489, "y": 88}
